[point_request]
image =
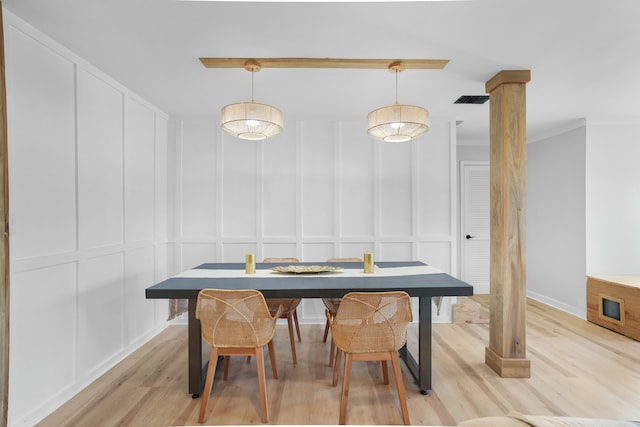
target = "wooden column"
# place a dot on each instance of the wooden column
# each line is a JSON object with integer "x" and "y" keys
{"x": 506, "y": 353}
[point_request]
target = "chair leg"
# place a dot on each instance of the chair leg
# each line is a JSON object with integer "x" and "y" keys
{"x": 332, "y": 352}
{"x": 272, "y": 357}
{"x": 397, "y": 374}
{"x": 326, "y": 327}
{"x": 225, "y": 376}
{"x": 295, "y": 318}
{"x": 291, "y": 339}
{"x": 345, "y": 388}
{"x": 262, "y": 384}
{"x": 213, "y": 359}
{"x": 385, "y": 372}
{"x": 336, "y": 367}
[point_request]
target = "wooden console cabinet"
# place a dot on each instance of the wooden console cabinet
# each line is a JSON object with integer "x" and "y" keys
{"x": 614, "y": 303}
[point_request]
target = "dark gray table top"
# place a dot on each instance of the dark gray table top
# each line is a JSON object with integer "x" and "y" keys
{"x": 330, "y": 286}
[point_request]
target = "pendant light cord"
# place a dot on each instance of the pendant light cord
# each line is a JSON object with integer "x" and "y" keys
{"x": 397, "y": 86}
{"x": 252, "y": 74}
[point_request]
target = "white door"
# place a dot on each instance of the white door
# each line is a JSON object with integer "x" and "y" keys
{"x": 474, "y": 223}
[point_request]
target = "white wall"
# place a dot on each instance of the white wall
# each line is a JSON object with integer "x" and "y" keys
{"x": 613, "y": 199}
{"x": 473, "y": 152}
{"x": 583, "y": 210}
{"x": 321, "y": 189}
{"x": 88, "y": 212}
{"x": 556, "y": 242}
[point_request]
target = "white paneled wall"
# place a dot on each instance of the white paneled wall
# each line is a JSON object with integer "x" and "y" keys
{"x": 88, "y": 221}
{"x": 321, "y": 189}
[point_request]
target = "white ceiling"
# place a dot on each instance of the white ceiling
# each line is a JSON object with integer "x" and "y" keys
{"x": 584, "y": 55}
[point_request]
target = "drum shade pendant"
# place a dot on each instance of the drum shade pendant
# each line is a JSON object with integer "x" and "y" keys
{"x": 398, "y": 122}
{"x": 251, "y": 120}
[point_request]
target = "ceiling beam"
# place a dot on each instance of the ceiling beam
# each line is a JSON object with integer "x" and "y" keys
{"x": 424, "y": 64}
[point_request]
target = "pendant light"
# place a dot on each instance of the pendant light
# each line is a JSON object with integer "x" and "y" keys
{"x": 398, "y": 122}
{"x": 251, "y": 120}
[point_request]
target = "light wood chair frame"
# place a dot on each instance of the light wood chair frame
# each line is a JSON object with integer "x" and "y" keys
{"x": 364, "y": 355}
{"x": 238, "y": 351}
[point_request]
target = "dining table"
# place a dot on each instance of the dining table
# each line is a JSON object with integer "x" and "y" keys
{"x": 418, "y": 279}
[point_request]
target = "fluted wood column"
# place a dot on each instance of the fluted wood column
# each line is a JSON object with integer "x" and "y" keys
{"x": 506, "y": 353}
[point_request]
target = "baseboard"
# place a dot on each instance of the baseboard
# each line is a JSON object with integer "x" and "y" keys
{"x": 580, "y": 312}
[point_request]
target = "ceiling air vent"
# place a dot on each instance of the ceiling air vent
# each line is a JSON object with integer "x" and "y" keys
{"x": 472, "y": 99}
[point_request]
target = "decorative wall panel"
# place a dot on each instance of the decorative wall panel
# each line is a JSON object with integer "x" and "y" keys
{"x": 316, "y": 142}
{"x": 317, "y": 251}
{"x": 277, "y": 250}
{"x": 279, "y": 186}
{"x": 236, "y": 252}
{"x": 41, "y": 129}
{"x": 100, "y": 152}
{"x": 138, "y": 275}
{"x": 395, "y": 188}
{"x": 433, "y": 220}
{"x": 197, "y": 203}
{"x": 100, "y": 311}
{"x": 357, "y": 182}
{"x": 139, "y": 163}
{"x": 161, "y": 174}
{"x": 239, "y": 187}
{"x": 437, "y": 254}
{"x": 47, "y": 328}
{"x": 194, "y": 254}
{"x": 393, "y": 251}
{"x": 354, "y": 249}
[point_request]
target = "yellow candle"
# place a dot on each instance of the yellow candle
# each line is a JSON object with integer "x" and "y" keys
{"x": 368, "y": 262}
{"x": 250, "y": 264}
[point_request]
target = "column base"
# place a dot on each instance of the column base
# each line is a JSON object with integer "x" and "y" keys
{"x": 507, "y": 367}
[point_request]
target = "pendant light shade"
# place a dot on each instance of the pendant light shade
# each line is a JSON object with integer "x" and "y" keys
{"x": 398, "y": 122}
{"x": 251, "y": 120}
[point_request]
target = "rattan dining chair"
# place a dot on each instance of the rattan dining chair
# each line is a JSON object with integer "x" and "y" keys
{"x": 236, "y": 322}
{"x": 289, "y": 309}
{"x": 371, "y": 326}
{"x": 331, "y": 305}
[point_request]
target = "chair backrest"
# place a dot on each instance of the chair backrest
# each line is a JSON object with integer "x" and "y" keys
{"x": 281, "y": 260}
{"x": 234, "y": 318}
{"x": 368, "y": 322}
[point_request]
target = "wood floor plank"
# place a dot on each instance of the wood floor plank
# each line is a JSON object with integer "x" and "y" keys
{"x": 578, "y": 369}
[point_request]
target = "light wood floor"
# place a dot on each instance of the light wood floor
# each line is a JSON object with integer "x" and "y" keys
{"x": 578, "y": 369}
